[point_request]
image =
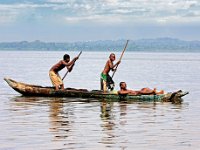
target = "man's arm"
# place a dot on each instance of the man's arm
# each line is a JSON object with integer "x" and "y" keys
{"x": 116, "y": 64}
{"x": 113, "y": 66}
{"x": 71, "y": 67}
{"x": 69, "y": 63}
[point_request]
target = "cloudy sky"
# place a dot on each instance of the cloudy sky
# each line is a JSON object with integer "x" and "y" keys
{"x": 83, "y": 20}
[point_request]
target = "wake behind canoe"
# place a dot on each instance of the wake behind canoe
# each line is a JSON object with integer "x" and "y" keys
{"x": 35, "y": 90}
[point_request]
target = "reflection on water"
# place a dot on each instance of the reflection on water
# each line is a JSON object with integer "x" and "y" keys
{"x": 106, "y": 110}
{"x": 58, "y": 119}
{"x": 111, "y": 123}
{"x": 108, "y": 122}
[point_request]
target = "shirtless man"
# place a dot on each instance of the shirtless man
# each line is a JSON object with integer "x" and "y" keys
{"x": 144, "y": 91}
{"x": 53, "y": 72}
{"x": 106, "y": 80}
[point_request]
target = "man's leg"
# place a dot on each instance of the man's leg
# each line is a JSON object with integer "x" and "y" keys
{"x": 104, "y": 86}
{"x": 160, "y": 92}
{"x": 62, "y": 86}
{"x": 110, "y": 83}
{"x": 147, "y": 91}
{"x": 101, "y": 84}
{"x": 57, "y": 87}
{"x": 150, "y": 91}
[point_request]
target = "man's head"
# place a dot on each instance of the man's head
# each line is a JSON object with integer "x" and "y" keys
{"x": 122, "y": 85}
{"x": 66, "y": 58}
{"x": 112, "y": 57}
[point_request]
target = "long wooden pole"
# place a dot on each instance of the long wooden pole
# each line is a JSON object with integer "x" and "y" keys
{"x": 68, "y": 70}
{"x": 120, "y": 58}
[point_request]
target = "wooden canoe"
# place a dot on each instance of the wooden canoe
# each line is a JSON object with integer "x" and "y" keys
{"x": 35, "y": 90}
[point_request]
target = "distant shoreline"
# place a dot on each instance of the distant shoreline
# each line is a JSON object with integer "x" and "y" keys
{"x": 143, "y": 45}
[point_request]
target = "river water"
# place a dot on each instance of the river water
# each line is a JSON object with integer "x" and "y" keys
{"x": 64, "y": 123}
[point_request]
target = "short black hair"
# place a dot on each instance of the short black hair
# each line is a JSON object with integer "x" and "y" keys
{"x": 66, "y": 56}
{"x": 112, "y": 54}
{"x": 121, "y": 83}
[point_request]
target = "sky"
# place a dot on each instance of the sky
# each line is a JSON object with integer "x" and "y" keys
{"x": 90, "y": 20}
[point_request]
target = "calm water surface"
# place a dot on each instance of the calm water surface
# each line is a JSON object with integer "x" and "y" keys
{"x": 66, "y": 123}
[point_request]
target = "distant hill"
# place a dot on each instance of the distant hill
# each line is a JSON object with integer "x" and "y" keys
{"x": 151, "y": 45}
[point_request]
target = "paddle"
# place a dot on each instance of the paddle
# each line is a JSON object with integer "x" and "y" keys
{"x": 73, "y": 64}
{"x": 120, "y": 58}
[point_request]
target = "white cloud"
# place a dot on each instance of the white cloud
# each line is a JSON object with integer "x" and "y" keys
{"x": 102, "y": 18}
{"x": 10, "y": 12}
{"x": 95, "y": 19}
{"x": 114, "y": 10}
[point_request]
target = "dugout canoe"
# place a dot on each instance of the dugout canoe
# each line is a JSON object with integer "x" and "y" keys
{"x": 36, "y": 90}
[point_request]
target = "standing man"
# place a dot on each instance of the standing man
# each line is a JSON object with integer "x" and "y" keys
{"x": 106, "y": 80}
{"x": 53, "y": 72}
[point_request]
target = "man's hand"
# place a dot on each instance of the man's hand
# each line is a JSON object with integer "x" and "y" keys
{"x": 118, "y": 62}
{"x": 115, "y": 69}
{"x": 76, "y": 58}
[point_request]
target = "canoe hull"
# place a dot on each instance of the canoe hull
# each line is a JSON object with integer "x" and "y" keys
{"x": 34, "y": 90}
